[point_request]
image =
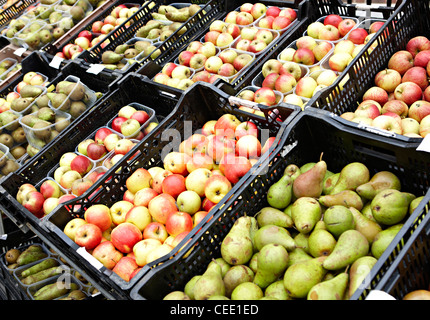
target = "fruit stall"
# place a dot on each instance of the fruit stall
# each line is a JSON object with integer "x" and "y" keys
{"x": 214, "y": 150}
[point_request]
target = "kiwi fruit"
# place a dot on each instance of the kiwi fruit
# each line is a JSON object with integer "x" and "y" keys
{"x": 12, "y": 255}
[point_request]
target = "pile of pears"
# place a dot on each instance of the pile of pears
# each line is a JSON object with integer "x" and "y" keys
{"x": 317, "y": 239}
{"x": 5, "y": 65}
{"x": 171, "y": 13}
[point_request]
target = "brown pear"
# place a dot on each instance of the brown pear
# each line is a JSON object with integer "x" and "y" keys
{"x": 310, "y": 183}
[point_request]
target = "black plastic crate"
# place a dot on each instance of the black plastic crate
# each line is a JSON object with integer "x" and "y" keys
{"x": 120, "y": 35}
{"x": 303, "y": 141}
{"x": 409, "y": 19}
{"x": 14, "y": 10}
{"x": 132, "y": 89}
{"x": 201, "y": 103}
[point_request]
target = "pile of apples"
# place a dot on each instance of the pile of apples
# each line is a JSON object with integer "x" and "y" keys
{"x": 399, "y": 100}
{"x": 162, "y": 204}
{"x": 332, "y": 28}
{"x": 174, "y": 75}
{"x": 86, "y": 39}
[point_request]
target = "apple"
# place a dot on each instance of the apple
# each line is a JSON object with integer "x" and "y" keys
{"x": 273, "y": 11}
{"x": 388, "y": 79}
{"x": 181, "y": 72}
{"x": 408, "y": 92}
{"x": 139, "y": 216}
{"x": 139, "y": 179}
{"x": 264, "y": 35}
{"x": 258, "y": 10}
{"x": 256, "y": 46}
{"x": 377, "y": 94}
{"x": 358, "y": 35}
{"x": 305, "y": 87}
{"x": 339, "y": 61}
{"x": 96, "y": 151}
{"x": 33, "y": 202}
{"x": 99, "y": 215}
{"x": 314, "y": 28}
{"x": 387, "y": 123}
{"x": 333, "y": 19}
{"x": 143, "y": 196}
{"x": 66, "y": 159}
{"x": 50, "y": 204}
{"x": 66, "y": 50}
{"x": 321, "y": 50}
{"x": 266, "y": 22}
{"x": 49, "y": 188}
{"x": 271, "y": 66}
{"x": 285, "y": 83}
{"x": 158, "y": 252}
{"x": 242, "y": 60}
{"x": 425, "y": 126}
{"x": 246, "y": 7}
{"x": 304, "y": 56}
{"x": 161, "y": 207}
{"x": 329, "y": 33}
{"x": 422, "y": 59}
{"x": 426, "y": 94}
{"x": 208, "y": 127}
{"x": 401, "y": 61}
{"x": 224, "y": 39}
{"x": 107, "y": 254}
{"x": 233, "y": 30}
{"x": 231, "y": 17}
{"x": 110, "y": 141}
{"x": 410, "y": 126}
{"x": 344, "y": 46}
{"x": 124, "y": 236}
{"x": 155, "y": 230}
{"x": 80, "y": 186}
{"x": 218, "y": 145}
{"x": 158, "y": 180}
{"x": 226, "y": 70}
{"x": 397, "y": 106}
{"x": 68, "y": 178}
{"x": 126, "y": 268}
{"x": 142, "y": 248}
{"x": 290, "y": 67}
{"x": 185, "y": 57}
{"x": 83, "y": 42}
{"x": 217, "y": 187}
{"x": 244, "y": 18}
{"x": 419, "y": 110}
{"x": 200, "y": 160}
{"x": 213, "y": 64}
{"x": 188, "y": 201}
{"x": 208, "y": 49}
{"x": 119, "y": 210}
{"x": 280, "y": 23}
{"x": 368, "y": 108}
{"x": 417, "y": 44}
{"x": 226, "y": 125}
{"x": 179, "y": 222}
{"x": 345, "y": 26}
{"x": 88, "y": 235}
{"x": 176, "y": 162}
{"x": 101, "y": 134}
{"x": 173, "y": 185}
{"x": 71, "y": 227}
{"x": 196, "y": 179}
{"x": 375, "y": 26}
{"x": 246, "y": 128}
{"x": 417, "y": 75}
{"x": 326, "y": 78}
{"x": 123, "y": 146}
{"x": 270, "y": 81}
{"x": 218, "y": 25}
{"x": 117, "y": 122}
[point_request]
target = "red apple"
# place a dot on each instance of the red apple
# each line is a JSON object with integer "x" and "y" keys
{"x": 173, "y": 185}
{"x": 143, "y": 196}
{"x": 417, "y": 75}
{"x": 179, "y": 222}
{"x": 267, "y": 145}
{"x": 246, "y": 128}
{"x": 388, "y": 79}
{"x": 419, "y": 110}
{"x": 333, "y": 19}
{"x": 88, "y": 236}
{"x": 155, "y": 230}
{"x": 116, "y": 123}
{"x": 141, "y": 116}
{"x": 96, "y": 151}
{"x": 236, "y": 167}
{"x": 345, "y": 26}
{"x": 80, "y": 186}
{"x": 124, "y": 236}
{"x": 377, "y": 94}
{"x": 101, "y": 134}
{"x": 422, "y": 59}
{"x": 401, "y": 61}
{"x": 81, "y": 164}
{"x": 33, "y": 202}
{"x": 358, "y": 35}
{"x": 99, "y": 215}
{"x": 408, "y": 92}
{"x": 218, "y": 145}
{"x": 226, "y": 125}
{"x": 217, "y": 187}
{"x": 107, "y": 254}
{"x": 248, "y": 146}
{"x": 49, "y": 188}
{"x": 126, "y": 268}
{"x": 417, "y": 44}
{"x": 176, "y": 162}
{"x": 161, "y": 207}
{"x": 368, "y": 108}
{"x": 396, "y": 106}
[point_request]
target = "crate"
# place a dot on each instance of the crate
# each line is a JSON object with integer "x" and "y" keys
{"x": 121, "y": 34}
{"x": 183, "y": 120}
{"x": 152, "y": 66}
{"x": 14, "y": 10}
{"x": 410, "y": 19}
{"x": 8, "y": 51}
{"x": 304, "y": 139}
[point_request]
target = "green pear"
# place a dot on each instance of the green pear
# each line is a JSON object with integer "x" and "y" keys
{"x": 307, "y": 166}
{"x": 390, "y": 206}
{"x": 272, "y": 261}
{"x": 321, "y": 243}
{"x": 380, "y": 181}
{"x": 359, "y": 271}
{"x": 351, "y": 176}
{"x": 302, "y": 276}
{"x": 30, "y": 91}
{"x": 297, "y": 255}
{"x": 292, "y": 170}
{"x": 383, "y": 239}
{"x": 329, "y": 182}
{"x": 189, "y": 286}
{"x": 412, "y": 206}
{"x": 110, "y": 57}
{"x": 277, "y": 290}
{"x": 235, "y": 276}
{"x": 275, "y": 235}
{"x": 237, "y": 246}
{"x": 333, "y": 289}
{"x": 305, "y": 212}
{"x": 280, "y": 193}
{"x": 338, "y": 219}
{"x": 310, "y": 183}
{"x": 366, "y": 226}
{"x": 350, "y": 246}
{"x": 247, "y": 291}
{"x": 347, "y": 198}
{"x": 367, "y": 212}
{"x": 178, "y": 16}
{"x": 269, "y": 215}
{"x": 222, "y": 263}
{"x": 302, "y": 241}
{"x": 210, "y": 283}
{"x": 176, "y": 295}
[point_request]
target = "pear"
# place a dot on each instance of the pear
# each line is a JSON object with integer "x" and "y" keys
{"x": 347, "y": 198}
{"x": 42, "y": 129}
{"x": 333, "y": 289}
{"x": 383, "y": 239}
{"x": 176, "y": 295}
{"x": 77, "y": 108}
{"x": 350, "y": 246}
{"x": 277, "y": 290}
{"x": 178, "y": 16}
{"x": 75, "y": 91}
{"x": 223, "y": 264}
{"x": 338, "y": 219}
{"x": 297, "y": 255}
{"x": 272, "y": 261}
{"x": 279, "y": 193}
{"x": 8, "y": 120}
{"x": 275, "y": 235}
{"x": 269, "y": 215}
{"x": 305, "y": 212}
{"x": 351, "y": 176}
{"x": 292, "y": 170}
{"x": 359, "y": 271}
{"x": 110, "y": 57}
{"x": 302, "y": 241}
{"x": 21, "y": 104}
{"x": 366, "y": 226}
{"x": 46, "y": 114}
{"x": 302, "y": 276}
{"x": 329, "y": 182}
{"x": 247, "y": 291}
{"x": 61, "y": 85}
{"x": 59, "y": 101}
{"x": 193, "y": 9}
{"x": 412, "y": 206}
{"x": 380, "y": 181}
{"x": 210, "y": 283}
{"x": 235, "y": 276}
{"x": 310, "y": 183}
{"x": 321, "y": 243}
{"x": 189, "y": 286}
{"x": 237, "y": 247}
{"x": 307, "y": 167}
{"x": 367, "y": 212}
{"x": 30, "y": 91}
{"x": 390, "y": 206}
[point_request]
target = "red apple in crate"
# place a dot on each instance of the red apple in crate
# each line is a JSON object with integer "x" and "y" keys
{"x": 200, "y": 160}
{"x": 226, "y": 70}
{"x": 289, "y": 13}
{"x": 212, "y": 36}
{"x": 246, "y": 128}
{"x": 139, "y": 179}
{"x": 99, "y": 215}
{"x": 281, "y": 22}
{"x": 226, "y": 125}
{"x": 408, "y": 92}
{"x": 173, "y": 185}
{"x": 49, "y": 188}
{"x": 267, "y": 144}
{"x": 86, "y": 34}
{"x": 139, "y": 216}
{"x": 155, "y": 230}
{"x": 375, "y": 26}
{"x": 158, "y": 180}
{"x": 321, "y": 50}
{"x": 388, "y": 79}
{"x": 33, "y": 202}
{"x": 333, "y": 19}
{"x": 123, "y": 146}
{"x": 107, "y": 254}
{"x": 304, "y": 56}
{"x": 176, "y": 162}
{"x": 125, "y": 268}
{"x": 422, "y": 59}
{"x": 83, "y": 42}
{"x": 141, "y": 116}
{"x": 266, "y": 22}
{"x": 369, "y": 109}
{"x": 236, "y": 167}
{"x": 285, "y": 83}
{"x": 345, "y": 26}
{"x": 96, "y": 151}
{"x": 80, "y": 186}
{"x": 329, "y": 33}
{"x": 143, "y": 196}
{"x": 88, "y": 236}
{"x": 101, "y": 134}
{"x": 117, "y": 122}
{"x": 265, "y": 95}
{"x": 124, "y": 236}
{"x": 196, "y": 179}
{"x": 273, "y": 11}
{"x": 218, "y": 145}
{"x": 417, "y": 44}
{"x": 161, "y": 207}
{"x": 207, "y": 205}
{"x": 271, "y": 66}
{"x": 270, "y": 80}
{"x": 387, "y": 123}
{"x": 244, "y": 18}
{"x": 396, "y": 106}
{"x": 217, "y": 187}
{"x": 110, "y": 141}
{"x": 71, "y": 227}
{"x": 50, "y": 204}
{"x": 196, "y": 143}
{"x": 417, "y": 75}
{"x": 426, "y": 94}
{"x": 179, "y": 222}
{"x": 358, "y": 35}
{"x": 377, "y": 94}
{"x": 241, "y": 61}
{"x": 419, "y": 110}
{"x": 258, "y": 10}
{"x": 185, "y": 57}
{"x": 118, "y": 211}
{"x": 401, "y": 61}
{"x": 248, "y": 146}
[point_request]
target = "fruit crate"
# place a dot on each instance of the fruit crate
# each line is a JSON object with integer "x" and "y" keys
{"x": 408, "y": 258}
{"x": 315, "y": 9}
{"x": 304, "y": 139}
{"x": 153, "y": 66}
{"x": 410, "y": 19}
{"x": 149, "y": 153}
{"x": 8, "y": 51}
{"x": 123, "y": 33}
{"x": 14, "y": 10}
